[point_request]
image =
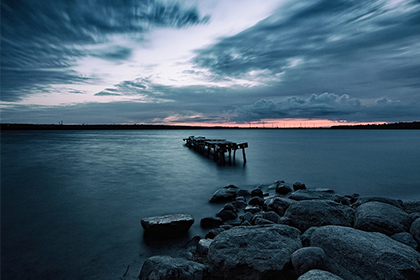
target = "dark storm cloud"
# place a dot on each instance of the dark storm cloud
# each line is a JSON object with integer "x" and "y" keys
{"x": 363, "y": 48}
{"x": 45, "y": 37}
{"x": 327, "y": 106}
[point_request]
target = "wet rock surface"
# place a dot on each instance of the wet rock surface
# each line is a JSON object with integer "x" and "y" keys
{"x": 252, "y": 252}
{"x": 166, "y": 267}
{"x": 357, "y": 254}
{"x": 306, "y": 214}
{"x": 381, "y": 217}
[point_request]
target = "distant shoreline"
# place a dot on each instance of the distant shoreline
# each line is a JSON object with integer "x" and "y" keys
{"x": 22, "y": 126}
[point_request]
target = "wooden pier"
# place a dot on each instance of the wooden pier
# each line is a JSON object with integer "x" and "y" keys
{"x": 216, "y": 147}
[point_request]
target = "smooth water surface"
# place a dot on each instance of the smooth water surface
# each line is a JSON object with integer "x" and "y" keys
{"x": 72, "y": 201}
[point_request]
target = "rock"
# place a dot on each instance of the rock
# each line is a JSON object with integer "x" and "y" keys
{"x": 252, "y": 209}
{"x": 165, "y": 267}
{"x": 256, "y": 200}
{"x": 210, "y": 222}
{"x": 405, "y": 238}
{"x": 312, "y": 194}
{"x": 228, "y": 212}
{"x": 259, "y": 220}
{"x": 168, "y": 225}
{"x": 283, "y": 189}
{"x": 415, "y": 230}
{"x": 274, "y": 186}
{"x": 365, "y": 199}
{"x": 247, "y": 217}
{"x": 286, "y": 221}
{"x": 214, "y": 232}
{"x": 414, "y": 216}
{"x": 252, "y": 252}
{"x": 353, "y": 198}
{"x": 225, "y": 194}
{"x": 203, "y": 246}
{"x": 411, "y": 206}
{"x": 299, "y": 186}
{"x": 308, "y": 258}
{"x": 271, "y": 216}
{"x": 381, "y": 217}
{"x": 342, "y": 199}
{"x": 316, "y": 274}
{"x": 243, "y": 193}
{"x": 356, "y": 254}
{"x": 309, "y": 213}
{"x": 306, "y": 236}
{"x": 246, "y": 223}
{"x": 239, "y": 204}
{"x": 257, "y": 192}
{"x": 278, "y": 204}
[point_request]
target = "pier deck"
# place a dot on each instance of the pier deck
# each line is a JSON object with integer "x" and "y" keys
{"x": 216, "y": 147}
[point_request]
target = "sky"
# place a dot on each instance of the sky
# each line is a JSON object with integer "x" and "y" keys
{"x": 212, "y": 62}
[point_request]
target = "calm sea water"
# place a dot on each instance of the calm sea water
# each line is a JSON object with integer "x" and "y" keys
{"x": 72, "y": 201}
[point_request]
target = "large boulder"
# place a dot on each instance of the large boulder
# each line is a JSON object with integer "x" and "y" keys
{"x": 415, "y": 230}
{"x": 225, "y": 194}
{"x": 311, "y": 194}
{"x": 381, "y": 217}
{"x": 167, "y": 225}
{"x": 253, "y": 252}
{"x": 317, "y": 274}
{"x": 278, "y": 204}
{"x": 310, "y": 213}
{"x": 356, "y": 254}
{"x": 365, "y": 199}
{"x": 165, "y": 268}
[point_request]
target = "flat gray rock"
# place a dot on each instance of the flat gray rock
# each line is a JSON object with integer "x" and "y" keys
{"x": 310, "y": 213}
{"x": 381, "y": 217}
{"x": 252, "y": 252}
{"x": 168, "y": 268}
{"x": 355, "y": 254}
{"x": 167, "y": 225}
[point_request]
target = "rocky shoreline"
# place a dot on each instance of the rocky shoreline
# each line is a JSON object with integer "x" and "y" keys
{"x": 288, "y": 231}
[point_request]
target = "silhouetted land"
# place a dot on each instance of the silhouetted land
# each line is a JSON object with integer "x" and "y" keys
{"x": 20, "y": 126}
{"x": 400, "y": 125}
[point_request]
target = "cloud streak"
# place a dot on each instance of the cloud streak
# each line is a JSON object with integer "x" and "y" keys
{"x": 41, "y": 40}
{"x": 366, "y": 47}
